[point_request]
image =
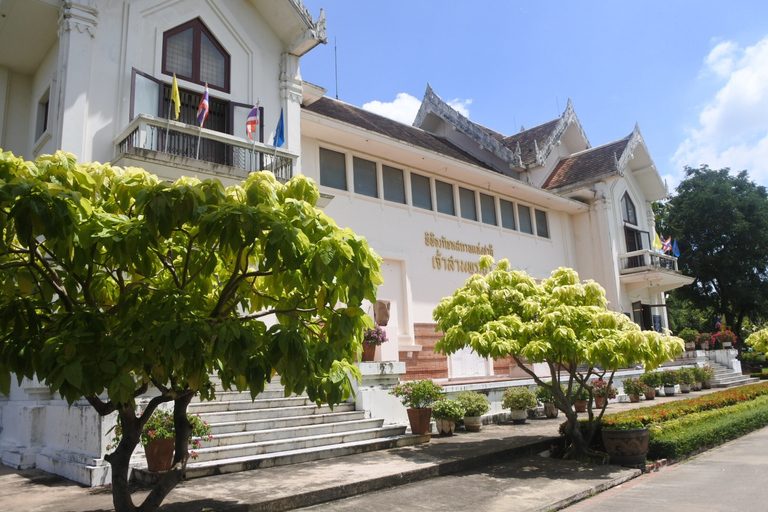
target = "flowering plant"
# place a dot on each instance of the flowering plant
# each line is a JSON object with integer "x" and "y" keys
{"x": 519, "y": 399}
{"x": 418, "y": 394}
{"x": 669, "y": 378}
{"x": 375, "y": 336}
{"x": 634, "y": 386}
{"x": 725, "y": 337}
{"x": 160, "y": 426}
{"x": 603, "y": 389}
{"x": 706, "y": 339}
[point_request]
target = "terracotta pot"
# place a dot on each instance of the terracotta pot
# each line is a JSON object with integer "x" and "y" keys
{"x": 369, "y": 352}
{"x": 600, "y": 401}
{"x": 420, "y": 420}
{"x": 650, "y": 394}
{"x": 669, "y": 390}
{"x": 160, "y": 454}
{"x": 707, "y": 384}
{"x": 626, "y": 447}
{"x": 634, "y": 397}
{"x": 445, "y": 427}
{"x": 550, "y": 410}
{"x": 518, "y": 416}
{"x": 580, "y": 406}
{"x": 473, "y": 423}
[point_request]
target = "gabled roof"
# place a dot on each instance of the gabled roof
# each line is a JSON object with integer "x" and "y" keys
{"x": 360, "y": 118}
{"x": 587, "y": 166}
{"x": 293, "y": 24}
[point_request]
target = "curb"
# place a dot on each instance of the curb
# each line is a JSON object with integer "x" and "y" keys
{"x": 590, "y": 492}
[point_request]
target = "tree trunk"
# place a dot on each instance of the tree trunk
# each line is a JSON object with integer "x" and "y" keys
{"x": 121, "y": 458}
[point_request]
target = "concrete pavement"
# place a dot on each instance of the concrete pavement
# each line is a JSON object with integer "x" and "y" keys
{"x": 500, "y": 453}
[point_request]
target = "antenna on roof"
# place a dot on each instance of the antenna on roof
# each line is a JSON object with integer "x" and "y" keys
{"x": 336, "y": 66}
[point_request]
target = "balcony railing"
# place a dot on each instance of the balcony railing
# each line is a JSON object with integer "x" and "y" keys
{"x": 149, "y": 133}
{"x": 638, "y": 261}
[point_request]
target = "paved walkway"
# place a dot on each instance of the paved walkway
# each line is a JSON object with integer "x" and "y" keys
{"x": 288, "y": 487}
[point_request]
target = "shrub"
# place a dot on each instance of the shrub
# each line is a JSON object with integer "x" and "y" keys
{"x": 688, "y": 335}
{"x": 418, "y": 394}
{"x": 651, "y": 379}
{"x": 634, "y": 387}
{"x": 725, "y": 337}
{"x": 621, "y": 423}
{"x": 519, "y": 399}
{"x": 161, "y": 426}
{"x": 447, "y": 409}
{"x": 474, "y": 404}
{"x": 686, "y": 376}
{"x": 544, "y": 394}
{"x": 603, "y": 389}
{"x": 669, "y": 377}
{"x": 706, "y": 339}
{"x": 580, "y": 394}
{"x": 700, "y": 374}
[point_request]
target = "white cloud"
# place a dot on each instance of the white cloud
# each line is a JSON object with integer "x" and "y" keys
{"x": 733, "y": 125}
{"x": 405, "y": 107}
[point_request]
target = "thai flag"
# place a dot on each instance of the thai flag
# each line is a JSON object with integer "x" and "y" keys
{"x": 252, "y": 123}
{"x": 666, "y": 245}
{"x": 202, "y": 110}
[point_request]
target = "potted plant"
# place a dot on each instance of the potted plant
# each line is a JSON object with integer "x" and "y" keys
{"x": 705, "y": 340}
{"x": 372, "y": 338}
{"x": 446, "y": 413}
{"x": 689, "y": 336}
{"x": 602, "y": 392}
{"x": 634, "y": 387}
{"x": 707, "y": 382}
{"x": 158, "y": 437}
{"x": 545, "y": 396}
{"x": 580, "y": 398}
{"x": 669, "y": 378}
{"x": 726, "y": 339}
{"x": 626, "y": 440}
{"x": 475, "y": 405}
{"x": 699, "y": 376}
{"x": 686, "y": 379}
{"x": 652, "y": 380}
{"x": 519, "y": 400}
{"x": 418, "y": 396}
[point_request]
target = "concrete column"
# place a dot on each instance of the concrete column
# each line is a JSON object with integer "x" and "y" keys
{"x": 77, "y": 28}
{"x": 290, "y": 100}
{"x": 605, "y": 252}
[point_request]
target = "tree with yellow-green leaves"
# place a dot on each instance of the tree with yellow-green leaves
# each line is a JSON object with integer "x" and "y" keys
{"x": 112, "y": 280}
{"x": 562, "y": 322}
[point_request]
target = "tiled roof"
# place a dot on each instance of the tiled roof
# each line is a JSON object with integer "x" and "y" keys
{"x": 540, "y": 134}
{"x": 589, "y": 164}
{"x": 356, "y": 116}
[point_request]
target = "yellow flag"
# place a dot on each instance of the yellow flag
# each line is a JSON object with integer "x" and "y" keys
{"x": 176, "y": 99}
{"x": 657, "y": 242}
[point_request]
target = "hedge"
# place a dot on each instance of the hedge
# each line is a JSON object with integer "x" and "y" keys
{"x": 678, "y": 438}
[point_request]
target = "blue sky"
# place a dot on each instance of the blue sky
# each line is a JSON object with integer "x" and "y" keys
{"x": 693, "y": 74}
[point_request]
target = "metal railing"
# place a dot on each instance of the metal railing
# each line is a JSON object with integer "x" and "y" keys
{"x": 637, "y": 261}
{"x": 149, "y": 133}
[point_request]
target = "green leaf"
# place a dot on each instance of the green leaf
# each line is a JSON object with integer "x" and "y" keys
{"x": 73, "y": 373}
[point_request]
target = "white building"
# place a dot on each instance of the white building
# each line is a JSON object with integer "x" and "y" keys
{"x": 94, "y": 78}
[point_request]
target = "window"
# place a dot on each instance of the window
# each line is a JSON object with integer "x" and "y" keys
{"x": 365, "y": 177}
{"x": 394, "y": 184}
{"x": 191, "y": 51}
{"x": 488, "y": 209}
{"x": 420, "y": 192}
{"x": 524, "y": 215}
{"x": 467, "y": 204}
{"x": 333, "y": 171}
{"x": 507, "y": 214}
{"x": 41, "y": 122}
{"x": 444, "y": 193}
{"x": 542, "y": 228}
{"x": 628, "y": 210}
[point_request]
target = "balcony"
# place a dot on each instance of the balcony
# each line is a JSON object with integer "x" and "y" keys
{"x": 173, "y": 149}
{"x": 650, "y": 269}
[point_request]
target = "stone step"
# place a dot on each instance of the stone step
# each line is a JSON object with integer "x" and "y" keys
{"x": 296, "y": 443}
{"x": 202, "y": 469}
{"x": 262, "y": 436}
{"x": 243, "y": 395}
{"x": 259, "y": 414}
{"x": 735, "y": 382}
{"x": 240, "y": 405}
{"x": 288, "y": 421}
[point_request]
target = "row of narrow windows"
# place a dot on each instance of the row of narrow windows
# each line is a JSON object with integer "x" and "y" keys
{"x": 390, "y": 184}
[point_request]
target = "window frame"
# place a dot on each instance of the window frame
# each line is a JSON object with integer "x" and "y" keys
{"x": 475, "y": 216}
{"x": 198, "y": 28}
{"x": 429, "y": 191}
{"x": 626, "y": 203}
{"x": 320, "y": 169}
{"x": 543, "y": 213}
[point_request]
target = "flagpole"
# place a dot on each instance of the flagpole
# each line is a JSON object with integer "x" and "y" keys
{"x": 168, "y": 126}
{"x": 199, "y": 134}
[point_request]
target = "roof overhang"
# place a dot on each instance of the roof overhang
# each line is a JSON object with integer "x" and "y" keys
{"x": 293, "y": 24}
{"x": 19, "y": 19}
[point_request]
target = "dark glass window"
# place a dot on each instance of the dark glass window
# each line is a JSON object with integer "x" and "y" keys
{"x": 420, "y": 192}
{"x": 542, "y": 228}
{"x": 394, "y": 184}
{"x": 467, "y": 203}
{"x": 365, "y": 177}
{"x": 507, "y": 214}
{"x": 191, "y": 51}
{"x": 628, "y": 210}
{"x": 524, "y": 216}
{"x": 444, "y": 193}
{"x": 488, "y": 209}
{"x": 333, "y": 171}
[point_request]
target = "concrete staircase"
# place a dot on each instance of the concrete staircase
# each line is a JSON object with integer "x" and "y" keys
{"x": 274, "y": 430}
{"x": 726, "y": 377}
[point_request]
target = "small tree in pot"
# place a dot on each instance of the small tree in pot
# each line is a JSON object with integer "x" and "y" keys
{"x": 652, "y": 380}
{"x": 545, "y": 396}
{"x": 634, "y": 388}
{"x": 446, "y": 413}
{"x": 418, "y": 396}
{"x": 519, "y": 401}
{"x": 475, "y": 405}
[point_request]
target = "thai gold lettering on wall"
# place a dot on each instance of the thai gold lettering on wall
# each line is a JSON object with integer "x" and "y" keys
{"x": 451, "y": 264}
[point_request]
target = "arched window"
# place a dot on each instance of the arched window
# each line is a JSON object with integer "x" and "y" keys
{"x": 191, "y": 51}
{"x": 628, "y": 210}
